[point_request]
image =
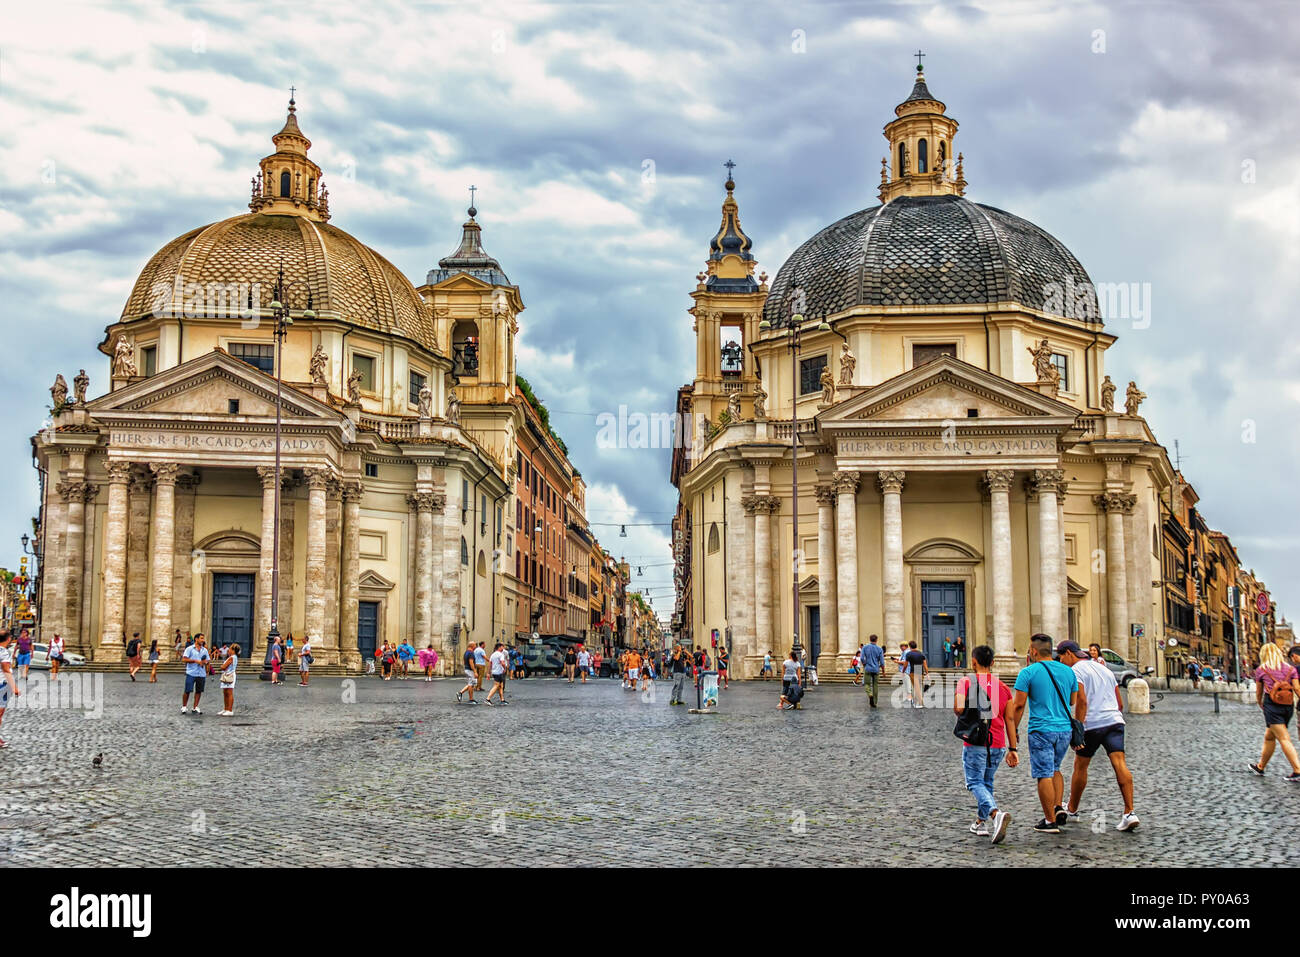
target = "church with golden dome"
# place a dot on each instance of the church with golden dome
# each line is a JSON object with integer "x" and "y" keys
{"x": 910, "y": 433}
{"x": 397, "y": 413}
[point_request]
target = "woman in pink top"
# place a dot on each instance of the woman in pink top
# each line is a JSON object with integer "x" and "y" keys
{"x": 1277, "y": 687}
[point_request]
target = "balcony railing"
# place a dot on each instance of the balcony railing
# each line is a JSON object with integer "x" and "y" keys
{"x": 394, "y": 431}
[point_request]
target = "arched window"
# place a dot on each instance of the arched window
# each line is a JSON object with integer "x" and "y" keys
{"x": 922, "y": 157}
{"x": 902, "y": 159}
{"x": 464, "y": 551}
{"x": 482, "y": 565}
{"x": 943, "y": 156}
{"x": 713, "y": 538}
{"x": 286, "y": 182}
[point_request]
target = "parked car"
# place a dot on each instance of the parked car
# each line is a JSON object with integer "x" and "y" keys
{"x": 41, "y": 657}
{"x": 1123, "y": 670}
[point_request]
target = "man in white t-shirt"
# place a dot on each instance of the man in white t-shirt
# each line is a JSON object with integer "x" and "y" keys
{"x": 584, "y": 663}
{"x": 498, "y": 664}
{"x": 1103, "y": 727}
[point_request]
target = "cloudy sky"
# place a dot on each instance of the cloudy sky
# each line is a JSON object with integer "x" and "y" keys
{"x": 1158, "y": 141}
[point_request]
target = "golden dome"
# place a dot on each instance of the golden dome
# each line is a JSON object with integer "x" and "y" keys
{"x": 349, "y": 282}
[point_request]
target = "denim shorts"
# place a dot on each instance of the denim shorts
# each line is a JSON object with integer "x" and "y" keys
{"x": 195, "y": 683}
{"x": 20, "y": 660}
{"x": 1046, "y": 751}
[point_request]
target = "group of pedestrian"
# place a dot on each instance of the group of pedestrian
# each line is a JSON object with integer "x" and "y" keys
{"x": 1073, "y": 703}
{"x": 498, "y": 663}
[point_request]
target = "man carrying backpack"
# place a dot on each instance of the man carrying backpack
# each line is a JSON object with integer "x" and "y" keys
{"x": 133, "y": 648}
{"x": 988, "y": 738}
{"x": 871, "y": 660}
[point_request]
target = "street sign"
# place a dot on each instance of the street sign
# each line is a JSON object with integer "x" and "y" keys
{"x": 1261, "y": 602}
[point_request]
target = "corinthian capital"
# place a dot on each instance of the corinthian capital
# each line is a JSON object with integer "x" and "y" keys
{"x": 164, "y": 472}
{"x": 891, "y": 481}
{"x": 352, "y": 491}
{"x": 317, "y": 478}
{"x": 846, "y": 483}
{"x": 999, "y": 480}
{"x": 825, "y": 494}
{"x": 426, "y": 501}
{"x": 119, "y": 473}
{"x": 267, "y": 474}
{"x": 1121, "y": 502}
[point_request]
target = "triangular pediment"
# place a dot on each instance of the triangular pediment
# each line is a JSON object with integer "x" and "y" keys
{"x": 946, "y": 389}
{"x": 461, "y": 281}
{"x": 205, "y": 386}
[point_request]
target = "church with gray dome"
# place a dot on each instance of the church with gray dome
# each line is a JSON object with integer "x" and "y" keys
{"x": 909, "y": 432}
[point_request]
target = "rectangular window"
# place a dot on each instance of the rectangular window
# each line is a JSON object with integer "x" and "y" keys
{"x": 149, "y": 360}
{"x": 366, "y": 366}
{"x": 924, "y": 352}
{"x": 810, "y": 374}
{"x": 372, "y": 470}
{"x": 417, "y": 383}
{"x": 232, "y": 406}
{"x": 256, "y": 354}
{"x": 1062, "y": 363}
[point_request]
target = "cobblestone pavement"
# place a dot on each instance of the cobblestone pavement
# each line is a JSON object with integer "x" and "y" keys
{"x": 592, "y": 775}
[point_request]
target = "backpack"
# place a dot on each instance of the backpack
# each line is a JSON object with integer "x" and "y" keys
{"x": 133, "y": 647}
{"x": 1281, "y": 693}
{"x": 972, "y": 727}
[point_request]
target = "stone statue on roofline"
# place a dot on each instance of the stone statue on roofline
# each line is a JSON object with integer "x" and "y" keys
{"x": 1133, "y": 397}
{"x": 828, "y": 387}
{"x": 319, "y": 360}
{"x": 354, "y": 387}
{"x": 59, "y": 392}
{"x": 848, "y": 362}
{"x": 124, "y": 358}
{"x": 760, "y": 401}
{"x": 80, "y": 383}
{"x": 733, "y": 407}
{"x": 1107, "y": 395}
{"x": 426, "y": 401}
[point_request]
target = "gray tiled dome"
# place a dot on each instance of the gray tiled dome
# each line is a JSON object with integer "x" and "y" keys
{"x": 932, "y": 250}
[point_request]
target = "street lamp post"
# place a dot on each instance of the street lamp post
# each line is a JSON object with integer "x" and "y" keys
{"x": 793, "y": 343}
{"x": 283, "y": 320}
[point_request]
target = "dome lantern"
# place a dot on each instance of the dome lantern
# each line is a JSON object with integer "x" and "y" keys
{"x": 288, "y": 182}
{"x": 922, "y": 161}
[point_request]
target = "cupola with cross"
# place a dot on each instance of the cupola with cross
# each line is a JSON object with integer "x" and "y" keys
{"x": 921, "y": 159}
{"x": 288, "y": 182}
{"x": 728, "y": 306}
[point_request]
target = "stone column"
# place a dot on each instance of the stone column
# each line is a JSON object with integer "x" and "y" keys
{"x": 74, "y": 553}
{"x": 1116, "y": 505}
{"x": 55, "y": 567}
{"x": 115, "y": 543}
{"x": 425, "y": 505}
{"x": 450, "y": 574}
{"x": 163, "y": 563}
{"x": 758, "y": 506}
{"x": 845, "y": 485}
{"x": 1004, "y": 618}
{"x": 891, "y": 536}
{"x": 350, "y": 586}
{"x": 89, "y": 570}
{"x": 738, "y": 581}
{"x": 333, "y": 547}
{"x": 266, "y": 559}
{"x": 137, "y": 555}
{"x": 184, "y": 564}
{"x": 746, "y": 561}
{"x": 1050, "y": 558}
{"x": 832, "y": 659}
{"x": 288, "y": 527}
{"x": 317, "y": 484}
{"x": 1061, "y": 488}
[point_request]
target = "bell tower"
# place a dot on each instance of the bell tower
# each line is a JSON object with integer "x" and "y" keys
{"x": 921, "y": 161}
{"x": 728, "y": 306}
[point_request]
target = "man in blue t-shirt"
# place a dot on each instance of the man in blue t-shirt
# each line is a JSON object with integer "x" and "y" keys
{"x": 871, "y": 659}
{"x": 1054, "y": 695}
{"x": 196, "y": 672}
{"x": 405, "y": 655}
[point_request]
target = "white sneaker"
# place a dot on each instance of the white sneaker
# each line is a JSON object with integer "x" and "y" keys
{"x": 224, "y": 714}
{"x": 1071, "y": 815}
{"x": 1128, "y": 822}
{"x": 980, "y": 828}
{"x": 184, "y": 709}
{"x": 999, "y": 826}
{"x": 197, "y": 711}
